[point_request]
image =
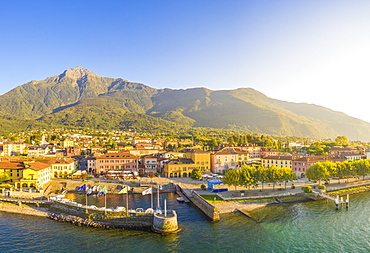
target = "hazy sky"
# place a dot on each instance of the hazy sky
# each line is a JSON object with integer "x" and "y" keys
{"x": 299, "y": 51}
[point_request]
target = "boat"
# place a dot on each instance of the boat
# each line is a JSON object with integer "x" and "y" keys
{"x": 180, "y": 199}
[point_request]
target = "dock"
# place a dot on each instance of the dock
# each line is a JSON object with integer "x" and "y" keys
{"x": 179, "y": 192}
{"x": 339, "y": 201}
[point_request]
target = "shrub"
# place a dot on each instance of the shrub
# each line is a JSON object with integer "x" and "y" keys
{"x": 293, "y": 186}
{"x": 321, "y": 187}
{"x": 89, "y": 177}
{"x": 203, "y": 186}
{"x": 307, "y": 189}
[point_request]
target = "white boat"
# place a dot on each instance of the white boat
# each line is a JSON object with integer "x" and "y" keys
{"x": 180, "y": 199}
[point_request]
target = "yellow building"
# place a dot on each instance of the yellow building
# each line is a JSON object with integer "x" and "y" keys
{"x": 67, "y": 143}
{"x": 181, "y": 167}
{"x": 27, "y": 174}
{"x": 14, "y": 169}
{"x": 61, "y": 167}
{"x": 278, "y": 161}
{"x": 201, "y": 159}
{"x": 35, "y": 175}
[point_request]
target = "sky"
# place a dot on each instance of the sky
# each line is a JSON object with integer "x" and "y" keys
{"x": 311, "y": 51}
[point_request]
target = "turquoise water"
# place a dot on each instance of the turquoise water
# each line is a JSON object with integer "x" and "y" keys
{"x": 304, "y": 227}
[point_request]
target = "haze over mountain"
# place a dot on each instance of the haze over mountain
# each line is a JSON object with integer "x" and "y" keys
{"x": 79, "y": 97}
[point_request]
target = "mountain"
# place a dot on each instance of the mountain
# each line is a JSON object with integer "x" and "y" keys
{"x": 79, "y": 97}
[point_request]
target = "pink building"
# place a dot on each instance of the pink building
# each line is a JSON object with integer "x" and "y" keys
{"x": 116, "y": 162}
{"x": 300, "y": 165}
{"x": 221, "y": 161}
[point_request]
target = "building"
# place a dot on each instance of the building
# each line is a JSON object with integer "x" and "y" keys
{"x": 278, "y": 161}
{"x": 300, "y": 165}
{"x": 14, "y": 169}
{"x": 181, "y": 167}
{"x": 201, "y": 159}
{"x": 35, "y": 175}
{"x": 61, "y": 167}
{"x": 116, "y": 162}
{"x": 14, "y": 148}
{"x": 150, "y": 164}
{"x": 221, "y": 161}
{"x": 91, "y": 164}
{"x": 67, "y": 143}
{"x": 37, "y": 151}
{"x": 338, "y": 150}
{"x": 136, "y": 141}
{"x": 268, "y": 152}
{"x": 27, "y": 174}
{"x": 72, "y": 151}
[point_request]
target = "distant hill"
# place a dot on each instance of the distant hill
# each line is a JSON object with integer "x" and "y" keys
{"x": 79, "y": 97}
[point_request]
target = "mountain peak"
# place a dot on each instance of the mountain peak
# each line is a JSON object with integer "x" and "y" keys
{"x": 77, "y": 73}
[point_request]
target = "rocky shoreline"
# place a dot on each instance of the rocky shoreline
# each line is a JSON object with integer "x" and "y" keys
{"x": 75, "y": 220}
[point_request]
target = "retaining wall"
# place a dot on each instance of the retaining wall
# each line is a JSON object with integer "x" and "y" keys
{"x": 208, "y": 209}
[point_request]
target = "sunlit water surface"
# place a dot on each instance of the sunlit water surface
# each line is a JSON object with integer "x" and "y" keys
{"x": 304, "y": 227}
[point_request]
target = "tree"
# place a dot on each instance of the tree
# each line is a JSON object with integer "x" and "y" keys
{"x": 329, "y": 170}
{"x": 315, "y": 172}
{"x": 261, "y": 176}
{"x": 288, "y": 175}
{"x": 4, "y": 177}
{"x": 196, "y": 174}
{"x": 248, "y": 176}
{"x": 362, "y": 168}
{"x": 342, "y": 141}
{"x": 232, "y": 177}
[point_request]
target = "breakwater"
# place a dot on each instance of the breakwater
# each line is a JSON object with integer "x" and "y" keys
{"x": 109, "y": 218}
{"x": 75, "y": 220}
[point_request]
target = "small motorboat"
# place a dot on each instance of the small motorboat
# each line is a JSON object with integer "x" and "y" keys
{"x": 180, "y": 199}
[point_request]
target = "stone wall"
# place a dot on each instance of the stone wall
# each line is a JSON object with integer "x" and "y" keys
{"x": 166, "y": 224}
{"x": 137, "y": 221}
{"x": 208, "y": 209}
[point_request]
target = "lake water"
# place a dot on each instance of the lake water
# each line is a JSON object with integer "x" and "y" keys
{"x": 303, "y": 227}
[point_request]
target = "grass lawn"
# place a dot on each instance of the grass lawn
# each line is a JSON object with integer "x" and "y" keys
{"x": 216, "y": 199}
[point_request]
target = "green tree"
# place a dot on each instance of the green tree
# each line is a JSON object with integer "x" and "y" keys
{"x": 288, "y": 175}
{"x": 261, "y": 176}
{"x": 232, "y": 177}
{"x": 196, "y": 174}
{"x": 362, "y": 168}
{"x": 315, "y": 172}
{"x": 4, "y": 177}
{"x": 342, "y": 141}
{"x": 248, "y": 177}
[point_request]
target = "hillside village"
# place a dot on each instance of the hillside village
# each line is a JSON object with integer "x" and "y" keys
{"x": 33, "y": 159}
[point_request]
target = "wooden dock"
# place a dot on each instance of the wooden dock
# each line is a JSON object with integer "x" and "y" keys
{"x": 339, "y": 201}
